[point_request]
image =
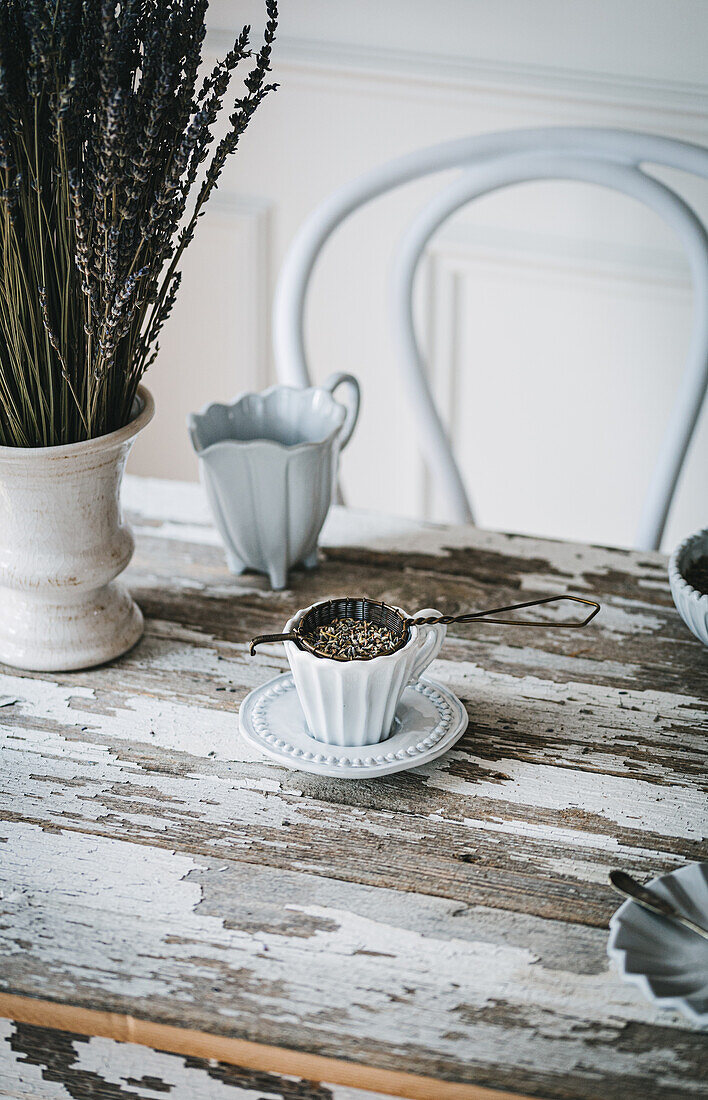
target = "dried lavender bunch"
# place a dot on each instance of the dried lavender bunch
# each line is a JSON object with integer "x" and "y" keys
{"x": 105, "y": 166}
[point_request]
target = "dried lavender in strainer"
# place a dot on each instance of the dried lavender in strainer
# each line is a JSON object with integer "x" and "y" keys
{"x": 352, "y": 639}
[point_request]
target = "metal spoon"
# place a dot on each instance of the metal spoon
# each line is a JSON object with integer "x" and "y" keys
{"x": 629, "y": 887}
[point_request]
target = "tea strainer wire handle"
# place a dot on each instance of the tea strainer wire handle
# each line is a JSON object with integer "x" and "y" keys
{"x": 429, "y": 620}
{"x": 400, "y": 624}
{"x": 263, "y": 638}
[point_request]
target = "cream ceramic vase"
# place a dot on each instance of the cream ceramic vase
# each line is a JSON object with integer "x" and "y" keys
{"x": 62, "y": 544}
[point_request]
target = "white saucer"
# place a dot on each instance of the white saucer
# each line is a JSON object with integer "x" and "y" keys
{"x": 429, "y": 720}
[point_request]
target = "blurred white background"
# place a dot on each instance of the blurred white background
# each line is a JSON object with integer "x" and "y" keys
{"x": 556, "y": 314}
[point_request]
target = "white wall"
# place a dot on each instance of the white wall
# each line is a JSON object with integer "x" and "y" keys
{"x": 556, "y": 314}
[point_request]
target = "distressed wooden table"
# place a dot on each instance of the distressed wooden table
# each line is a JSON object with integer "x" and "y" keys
{"x": 181, "y": 917}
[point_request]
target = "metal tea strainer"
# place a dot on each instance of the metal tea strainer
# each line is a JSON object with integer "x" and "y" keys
{"x": 383, "y": 615}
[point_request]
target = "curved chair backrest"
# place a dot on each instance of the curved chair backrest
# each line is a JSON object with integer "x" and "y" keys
{"x": 612, "y": 158}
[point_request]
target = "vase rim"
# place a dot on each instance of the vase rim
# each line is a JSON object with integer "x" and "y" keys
{"x": 98, "y": 443}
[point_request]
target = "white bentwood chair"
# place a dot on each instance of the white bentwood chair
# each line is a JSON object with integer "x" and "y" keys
{"x": 489, "y": 162}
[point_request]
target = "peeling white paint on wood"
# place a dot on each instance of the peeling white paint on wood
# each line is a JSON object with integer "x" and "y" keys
{"x": 131, "y": 922}
{"x": 629, "y": 802}
{"x": 449, "y": 921}
{"x": 575, "y": 783}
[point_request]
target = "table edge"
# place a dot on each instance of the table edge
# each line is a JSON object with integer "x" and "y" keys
{"x": 240, "y": 1052}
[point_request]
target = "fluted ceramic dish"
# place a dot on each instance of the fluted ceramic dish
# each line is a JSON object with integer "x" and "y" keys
{"x": 353, "y": 703}
{"x": 691, "y": 604}
{"x": 664, "y": 959}
{"x": 429, "y": 721}
{"x": 269, "y": 464}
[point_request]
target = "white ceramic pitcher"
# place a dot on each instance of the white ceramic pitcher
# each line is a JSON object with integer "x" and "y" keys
{"x": 269, "y": 464}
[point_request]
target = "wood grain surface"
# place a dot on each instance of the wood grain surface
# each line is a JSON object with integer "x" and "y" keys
{"x": 41, "y": 1063}
{"x": 449, "y": 922}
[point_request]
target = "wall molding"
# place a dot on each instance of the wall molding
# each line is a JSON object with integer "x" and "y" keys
{"x": 514, "y": 258}
{"x": 536, "y": 255}
{"x": 417, "y": 71}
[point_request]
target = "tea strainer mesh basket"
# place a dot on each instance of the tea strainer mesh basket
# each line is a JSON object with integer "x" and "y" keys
{"x": 398, "y": 625}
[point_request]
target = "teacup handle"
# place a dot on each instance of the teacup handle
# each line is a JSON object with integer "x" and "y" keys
{"x": 352, "y": 405}
{"x": 430, "y": 646}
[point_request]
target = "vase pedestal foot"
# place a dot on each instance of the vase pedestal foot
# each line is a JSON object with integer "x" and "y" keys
{"x": 46, "y": 634}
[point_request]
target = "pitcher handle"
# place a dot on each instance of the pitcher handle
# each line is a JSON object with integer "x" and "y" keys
{"x": 352, "y": 405}
{"x": 434, "y": 636}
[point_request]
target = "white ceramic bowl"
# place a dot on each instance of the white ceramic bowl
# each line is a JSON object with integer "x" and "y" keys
{"x": 665, "y": 960}
{"x": 691, "y": 605}
{"x": 354, "y": 702}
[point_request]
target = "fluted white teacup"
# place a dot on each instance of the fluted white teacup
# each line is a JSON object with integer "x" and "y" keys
{"x": 269, "y": 464}
{"x": 354, "y": 702}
